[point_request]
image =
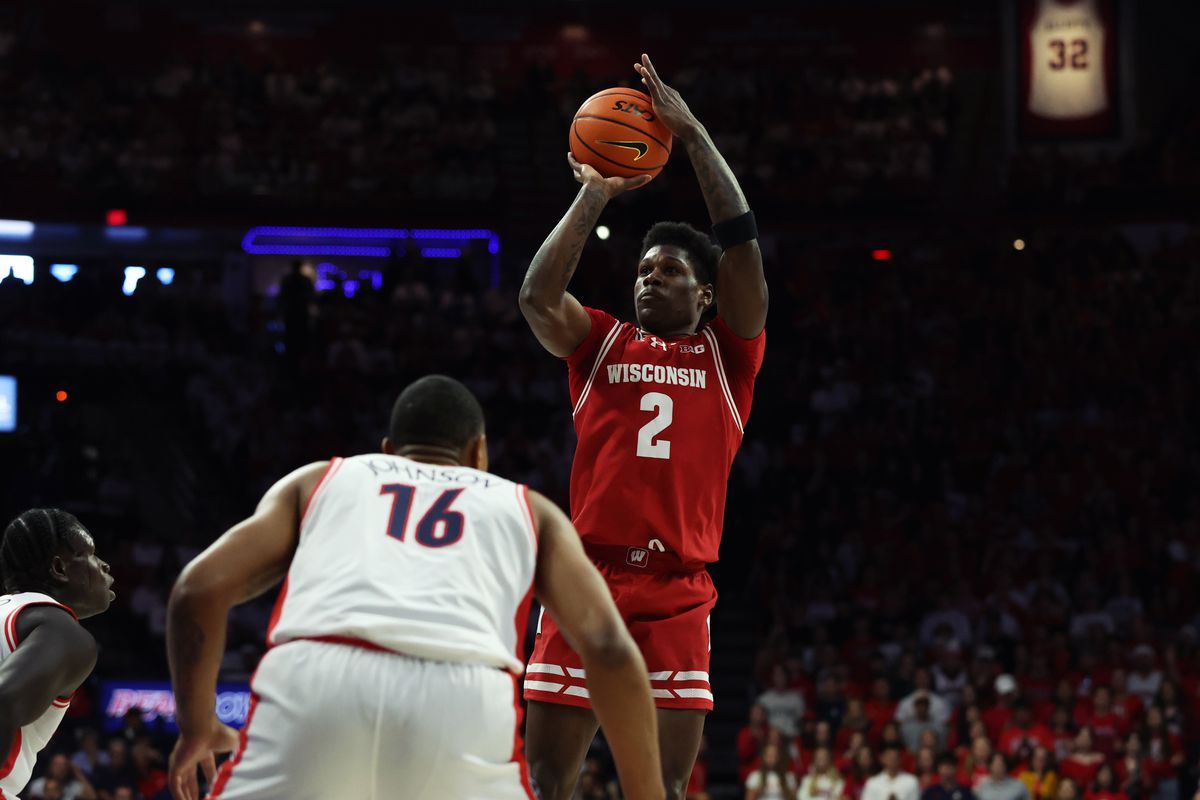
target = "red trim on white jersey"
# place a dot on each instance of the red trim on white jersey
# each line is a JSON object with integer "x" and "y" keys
{"x": 527, "y": 507}
{"x": 331, "y": 468}
{"x": 348, "y": 641}
{"x": 724, "y": 381}
{"x": 520, "y": 623}
{"x": 228, "y": 767}
{"x": 605, "y": 346}
{"x": 10, "y": 628}
{"x": 7, "y": 767}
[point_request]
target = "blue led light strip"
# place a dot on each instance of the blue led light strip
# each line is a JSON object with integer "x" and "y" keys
{"x": 373, "y": 240}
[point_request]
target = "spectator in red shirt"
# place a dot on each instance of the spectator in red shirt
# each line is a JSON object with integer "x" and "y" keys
{"x": 1164, "y": 751}
{"x": 1104, "y": 786}
{"x": 892, "y": 737}
{"x": 974, "y": 768}
{"x": 1108, "y": 729}
{"x": 855, "y": 721}
{"x": 998, "y": 716}
{"x": 926, "y": 769}
{"x": 850, "y": 751}
{"x": 1062, "y": 732}
{"x": 1067, "y": 790}
{"x": 1023, "y": 731}
{"x": 1134, "y": 771}
{"x": 1169, "y": 700}
{"x": 1084, "y": 761}
{"x": 880, "y": 709}
{"x": 860, "y": 648}
{"x": 751, "y": 739}
{"x": 1125, "y": 705}
{"x": 859, "y": 773}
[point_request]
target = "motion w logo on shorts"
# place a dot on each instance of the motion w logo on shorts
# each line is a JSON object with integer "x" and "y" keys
{"x": 637, "y": 557}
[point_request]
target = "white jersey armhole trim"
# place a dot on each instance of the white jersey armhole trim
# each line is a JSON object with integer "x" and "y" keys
{"x": 724, "y": 381}
{"x": 604, "y": 348}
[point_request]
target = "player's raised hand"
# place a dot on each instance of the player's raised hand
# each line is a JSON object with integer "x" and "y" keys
{"x": 668, "y": 103}
{"x": 588, "y": 176}
{"x": 198, "y": 750}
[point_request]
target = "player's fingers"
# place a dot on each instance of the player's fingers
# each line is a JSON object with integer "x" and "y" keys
{"x": 208, "y": 765}
{"x": 180, "y": 788}
{"x": 650, "y": 70}
{"x": 640, "y": 180}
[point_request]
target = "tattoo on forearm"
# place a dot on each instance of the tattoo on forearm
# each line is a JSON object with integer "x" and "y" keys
{"x": 187, "y": 642}
{"x": 722, "y": 194}
{"x": 560, "y": 253}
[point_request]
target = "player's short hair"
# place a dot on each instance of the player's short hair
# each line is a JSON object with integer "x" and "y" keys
{"x": 30, "y": 542}
{"x": 704, "y": 255}
{"x": 438, "y": 411}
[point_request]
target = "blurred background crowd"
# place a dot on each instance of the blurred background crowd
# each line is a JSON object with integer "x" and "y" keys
{"x": 961, "y": 541}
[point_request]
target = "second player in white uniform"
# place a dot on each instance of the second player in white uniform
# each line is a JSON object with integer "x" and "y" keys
{"x": 395, "y": 646}
{"x": 51, "y": 578}
{"x": 17, "y": 765}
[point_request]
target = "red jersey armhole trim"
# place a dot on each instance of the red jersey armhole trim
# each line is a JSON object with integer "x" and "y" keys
{"x": 10, "y": 629}
{"x": 527, "y": 507}
{"x": 11, "y": 761}
{"x": 329, "y": 470}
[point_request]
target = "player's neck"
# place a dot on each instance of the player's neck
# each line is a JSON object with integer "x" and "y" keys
{"x": 441, "y": 456}
{"x": 669, "y": 334}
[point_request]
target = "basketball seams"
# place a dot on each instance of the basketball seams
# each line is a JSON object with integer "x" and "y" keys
{"x": 596, "y": 152}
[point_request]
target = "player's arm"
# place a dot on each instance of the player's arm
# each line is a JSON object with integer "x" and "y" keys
{"x": 741, "y": 282}
{"x": 246, "y": 561}
{"x": 555, "y": 316}
{"x": 54, "y": 657}
{"x": 575, "y": 595}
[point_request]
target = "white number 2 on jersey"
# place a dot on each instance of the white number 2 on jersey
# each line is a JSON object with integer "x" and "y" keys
{"x": 665, "y": 406}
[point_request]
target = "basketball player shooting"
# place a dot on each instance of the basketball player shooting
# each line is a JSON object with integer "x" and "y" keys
{"x": 395, "y": 645}
{"x": 659, "y": 409}
{"x": 52, "y": 578}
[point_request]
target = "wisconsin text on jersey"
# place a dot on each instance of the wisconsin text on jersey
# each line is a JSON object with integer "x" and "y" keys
{"x": 415, "y": 472}
{"x": 657, "y": 373}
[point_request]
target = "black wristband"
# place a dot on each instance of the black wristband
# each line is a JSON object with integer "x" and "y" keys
{"x": 738, "y": 230}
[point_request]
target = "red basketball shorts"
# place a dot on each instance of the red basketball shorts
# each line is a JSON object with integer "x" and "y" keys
{"x": 667, "y": 615}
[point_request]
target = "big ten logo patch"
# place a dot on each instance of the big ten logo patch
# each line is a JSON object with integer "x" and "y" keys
{"x": 698, "y": 349}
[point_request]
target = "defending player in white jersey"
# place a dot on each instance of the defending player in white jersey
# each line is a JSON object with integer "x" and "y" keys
{"x": 53, "y": 578}
{"x": 396, "y": 643}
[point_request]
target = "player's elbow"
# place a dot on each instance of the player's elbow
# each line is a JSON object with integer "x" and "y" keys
{"x": 195, "y": 588}
{"x": 534, "y": 304}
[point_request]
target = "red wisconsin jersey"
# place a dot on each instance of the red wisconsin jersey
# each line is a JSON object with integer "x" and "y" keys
{"x": 659, "y": 422}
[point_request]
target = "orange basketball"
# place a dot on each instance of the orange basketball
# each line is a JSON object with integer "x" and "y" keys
{"x": 617, "y": 132}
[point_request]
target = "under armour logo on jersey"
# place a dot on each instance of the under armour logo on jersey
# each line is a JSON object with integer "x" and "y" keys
{"x": 655, "y": 544}
{"x": 656, "y": 342}
{"x": 637, "y": 557}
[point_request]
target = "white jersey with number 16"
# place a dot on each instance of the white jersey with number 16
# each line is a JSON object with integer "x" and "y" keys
{"x": 431, "y": 561}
